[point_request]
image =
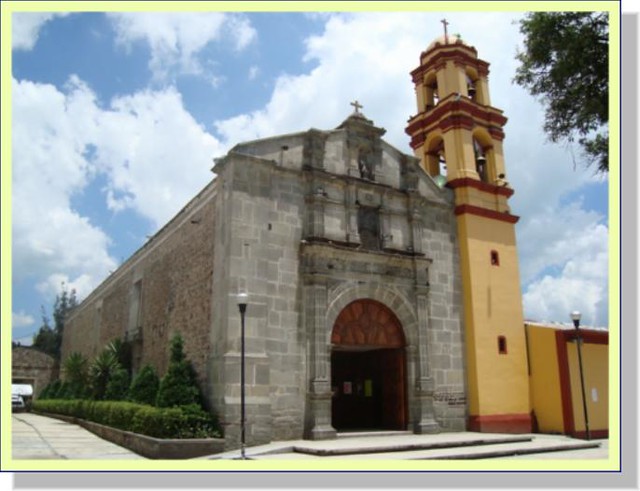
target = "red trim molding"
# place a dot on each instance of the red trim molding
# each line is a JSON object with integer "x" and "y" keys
{"x": 455, "y": 52}
{"x": 500, "y": 423}
{"x": 565, "y": 383}
{"x": 470, "y": 113}
{"x": 483, "y": 212}
{"x": 480, "y": 185}
{"x": 595, "y": 434}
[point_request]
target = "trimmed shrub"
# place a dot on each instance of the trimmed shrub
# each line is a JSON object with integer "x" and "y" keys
{"x": 158, "y": 422}
{"x": 117, "y": 386}
{"x": 178, "y": 387}
{"x": 144, "y": 387}
{"x": 176, "y": 422}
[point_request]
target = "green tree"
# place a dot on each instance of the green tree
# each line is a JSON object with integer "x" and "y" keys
{"x": 144, "y": 387}
{"x": 45, "y": 339}
{"x": 565, "y": 61}
{"x": 178, "y": 387}
{"x": 49, "y": 338}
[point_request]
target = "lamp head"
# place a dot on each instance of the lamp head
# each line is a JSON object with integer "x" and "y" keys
{"x": 243, "y": 299}
{"x": 575, "y": 317}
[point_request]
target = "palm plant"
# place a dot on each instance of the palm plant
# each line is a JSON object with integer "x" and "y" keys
{"x": 76, "y": 368}
{"x": 101, "y": 371}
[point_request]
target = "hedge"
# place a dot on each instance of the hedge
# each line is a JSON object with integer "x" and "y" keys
{"x": 176, "y": 422}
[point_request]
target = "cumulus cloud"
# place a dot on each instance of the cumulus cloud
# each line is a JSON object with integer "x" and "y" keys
{"x": 20, "y": 319}
{"x": 176, "y": 39}
{"x": 26, "y": 26}
{"x": 152, "y": 154}
{"x": 156, "y": 155}
{"x": 49, "y": 138}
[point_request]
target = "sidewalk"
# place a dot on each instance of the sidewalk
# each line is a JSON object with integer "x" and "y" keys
{"x": 39, "y": 437}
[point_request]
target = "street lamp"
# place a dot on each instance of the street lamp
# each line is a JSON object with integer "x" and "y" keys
{"x": 575, "y": 317}
{"x": 242, "y": 306}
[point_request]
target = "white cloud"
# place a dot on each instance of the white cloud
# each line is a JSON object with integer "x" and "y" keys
{"x": 49, "y": 138}
{"x": 366, "y": 56}
{"x": 154, "y": 157}
{"x": 177, "y": 38}
{"x": 20, "y": 319}
{"x": 582, "y": 285}
{"x": 54, "y": 285}
{"x": 26, "y": 26}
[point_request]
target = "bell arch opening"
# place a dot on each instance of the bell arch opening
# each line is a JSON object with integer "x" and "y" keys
{"x": 368, "y": 369}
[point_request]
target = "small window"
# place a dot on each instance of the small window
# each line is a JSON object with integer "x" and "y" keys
{"x": 495, "y": 258}
{"x": 502, "y": 345}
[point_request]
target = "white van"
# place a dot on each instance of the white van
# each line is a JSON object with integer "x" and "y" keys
{"x": 17, "y": 404}
{"x": 21, "y": 395}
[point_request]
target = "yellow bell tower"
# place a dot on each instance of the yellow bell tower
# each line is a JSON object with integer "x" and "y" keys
{"x": 458, "y": 136}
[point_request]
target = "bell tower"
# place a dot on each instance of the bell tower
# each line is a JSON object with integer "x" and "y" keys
{"x": 458, "y": 136}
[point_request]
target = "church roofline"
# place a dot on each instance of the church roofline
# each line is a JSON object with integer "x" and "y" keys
{"x": 563, "y": 326}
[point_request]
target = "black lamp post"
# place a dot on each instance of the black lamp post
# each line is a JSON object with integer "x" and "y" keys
{"x": 575, "y": 317}
{"x": 242, "y": 306}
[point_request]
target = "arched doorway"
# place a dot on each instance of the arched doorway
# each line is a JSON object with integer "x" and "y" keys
{"x": 368, "y": 369}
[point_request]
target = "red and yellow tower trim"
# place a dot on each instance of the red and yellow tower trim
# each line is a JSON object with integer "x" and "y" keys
{"x": 458, "y": 136}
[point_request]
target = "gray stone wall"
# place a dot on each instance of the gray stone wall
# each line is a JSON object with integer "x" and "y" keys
{"x": 175, "y": 268}
{"x": 258, "y": 253}
{"x": 292, "y": 243}
{"x": 31, "y": 366}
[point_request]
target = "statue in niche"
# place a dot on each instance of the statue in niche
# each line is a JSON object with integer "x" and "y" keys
{"x": 365, "y": 165}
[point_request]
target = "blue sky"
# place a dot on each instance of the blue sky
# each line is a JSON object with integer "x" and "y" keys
{"x": 117, "y": 117}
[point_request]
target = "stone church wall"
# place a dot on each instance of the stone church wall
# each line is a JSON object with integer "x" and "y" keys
{"x": 175, "y": 269}
{"x": 257, "y": 249}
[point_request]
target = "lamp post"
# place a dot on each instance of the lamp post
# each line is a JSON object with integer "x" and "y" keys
{"x": 242, "y": 306}
{"x": 575, "y": 317}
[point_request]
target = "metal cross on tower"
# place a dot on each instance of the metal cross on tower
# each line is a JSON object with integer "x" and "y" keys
{"x": 445, "y": 23}
{"x": 356, "y": 105}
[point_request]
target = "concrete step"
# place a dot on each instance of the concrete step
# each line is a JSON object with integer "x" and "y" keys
{"x": 483, "y": 451}
{"x": 408, "y": 446}
{"x": 364, "y": 434}
{"x": 390, "y": 444}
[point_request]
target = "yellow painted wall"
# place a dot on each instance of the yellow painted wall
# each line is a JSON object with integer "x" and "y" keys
{"x": 595, "y": 362}
{"x": 545, "y": 387}
{"x": 498, "y": 383}
{"x": 544, "y": 379}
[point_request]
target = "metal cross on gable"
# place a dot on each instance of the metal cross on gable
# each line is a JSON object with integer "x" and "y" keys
{"x": 356, "y": 105}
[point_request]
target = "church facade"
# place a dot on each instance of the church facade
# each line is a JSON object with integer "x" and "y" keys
{"x": 383, "y": 288}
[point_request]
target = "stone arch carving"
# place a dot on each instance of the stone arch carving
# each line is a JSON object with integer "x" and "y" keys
{"x": 369, "y": 323}
{"x": 394, "y": 300}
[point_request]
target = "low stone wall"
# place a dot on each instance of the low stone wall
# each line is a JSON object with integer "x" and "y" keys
{"x": 152, "y": 448}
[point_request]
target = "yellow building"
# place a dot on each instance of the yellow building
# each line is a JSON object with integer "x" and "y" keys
{"x": 458, "y": 135}
{"x": 554, "y": 379}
